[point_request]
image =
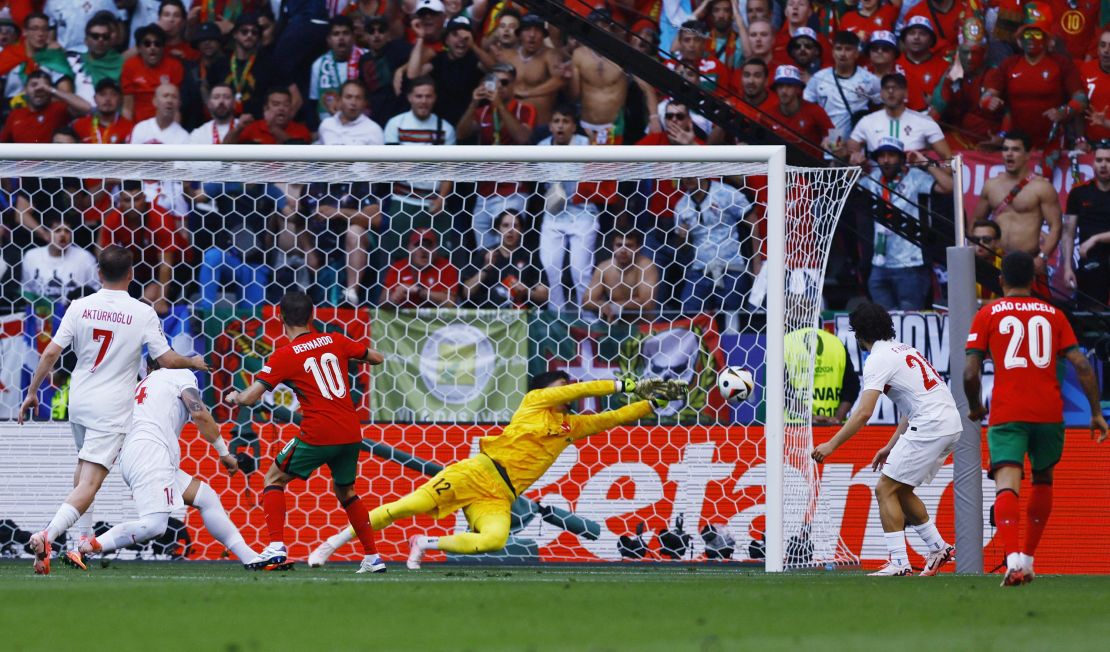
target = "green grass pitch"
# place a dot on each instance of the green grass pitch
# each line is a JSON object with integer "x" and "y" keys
{"x": 154, "y": 606}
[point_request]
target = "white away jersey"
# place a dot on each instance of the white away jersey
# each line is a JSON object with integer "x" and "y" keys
{"x": 107, "y": 331}
{"x": 903, "y": 374}
{"x": 160, "y": 413}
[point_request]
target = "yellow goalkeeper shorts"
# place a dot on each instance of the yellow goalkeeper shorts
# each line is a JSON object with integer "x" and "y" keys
{"x": 472, "y": 483}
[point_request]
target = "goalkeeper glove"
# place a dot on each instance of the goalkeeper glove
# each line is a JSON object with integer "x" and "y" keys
{"x": 654, "y": 388}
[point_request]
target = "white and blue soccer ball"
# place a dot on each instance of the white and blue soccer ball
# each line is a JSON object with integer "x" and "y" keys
{"x": 735, "y": 384}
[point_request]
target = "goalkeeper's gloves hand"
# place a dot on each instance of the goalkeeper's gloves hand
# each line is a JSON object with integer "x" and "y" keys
{"x": 653, "y": 388}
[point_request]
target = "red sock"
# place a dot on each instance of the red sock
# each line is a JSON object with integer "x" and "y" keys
{"x": 360, "y": 521}
{"x": 273, "y": 502}
{"x": 1038, "y": 509}
{"x": 1006, "y": 515}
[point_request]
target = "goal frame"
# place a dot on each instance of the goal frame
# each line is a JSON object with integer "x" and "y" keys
{"x": 773, "y": 156}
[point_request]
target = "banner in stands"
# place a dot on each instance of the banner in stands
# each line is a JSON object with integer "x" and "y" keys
{"x": 450, "y": 366}
{"x": 614, "y": 483}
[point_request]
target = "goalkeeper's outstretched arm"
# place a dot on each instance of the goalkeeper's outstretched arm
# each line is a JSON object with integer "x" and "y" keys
{"x": 591, "y": 424}
{"x": 552, "y": 396}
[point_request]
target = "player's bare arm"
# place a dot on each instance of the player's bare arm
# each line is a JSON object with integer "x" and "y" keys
{"x": 1089, "y": 383}
{"x": 884, "y": 452}
{"x": 174, "y": 360}
{"x": 208, "y": 428}
{"x": 973, "y": 386}
{"x": 867, "y": 402}
{"x": 46, "y": 364}
{"x": 247, "y": 397}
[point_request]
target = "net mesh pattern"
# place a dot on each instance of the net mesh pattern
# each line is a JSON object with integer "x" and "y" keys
{"x": 470, "y": 278}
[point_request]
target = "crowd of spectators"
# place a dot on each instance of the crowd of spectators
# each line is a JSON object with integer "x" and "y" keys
{"x": 891, "y": 85}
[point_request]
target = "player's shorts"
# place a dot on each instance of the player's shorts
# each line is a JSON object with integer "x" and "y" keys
{"x": 300, "y": 459}
{"x": 1010, "y": 442}
{"x": 915, "y": 462}
{"x": 156, "y": 483}
{"x": 97, "y": 446}
{"x": 473, "y": 484}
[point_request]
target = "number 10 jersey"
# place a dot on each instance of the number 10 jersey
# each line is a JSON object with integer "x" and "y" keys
{"x": 315, "y": 367}
{"x": 902, "y": 373}
{"x": 1023, "y": 336}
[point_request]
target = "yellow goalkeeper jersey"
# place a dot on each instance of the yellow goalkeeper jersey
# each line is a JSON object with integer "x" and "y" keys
{"x": 537, "y": 433}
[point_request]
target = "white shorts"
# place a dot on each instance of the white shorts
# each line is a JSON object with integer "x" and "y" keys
{"x": 915, "y": 462}
{"x": 155, "y": 481}
{"x": 97, "y": 446}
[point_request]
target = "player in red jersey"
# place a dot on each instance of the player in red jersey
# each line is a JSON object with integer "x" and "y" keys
{"x": 315, "y": 366}
{"x": 1024, "y": 336}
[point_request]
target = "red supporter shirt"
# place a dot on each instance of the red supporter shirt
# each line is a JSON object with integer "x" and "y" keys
{"x": 921, "y": 79}
{"x": 1030, "y": 89}
{"x": 1024, "y": 336}
{"x": 883, "y": 19}
{"x": 1077, "y": 26}
{"x": 715, "y": 77}
{"x": 258, "y": 133}
{"x": 92, "y": 130}
{"x": 158, "y": 234}
{"x": 947, "y": 24}
{"x": 666, "y": 193}
{"x": 140, "y": 81}
{"x": 315, "y": 367}
{"x": 439, "y": 276}
{"x": 488, "y": 135}
{"x": 1098, "y": 93}
{"x": 976, "y": 124}
{"x": 27, "y": 126}
{"x": 809, "y": 126}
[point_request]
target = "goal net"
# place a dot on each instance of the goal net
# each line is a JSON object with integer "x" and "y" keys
{"x": 471, "y": 269}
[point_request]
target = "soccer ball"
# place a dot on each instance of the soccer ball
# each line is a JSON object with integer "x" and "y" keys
{"x": 735, "y": 384}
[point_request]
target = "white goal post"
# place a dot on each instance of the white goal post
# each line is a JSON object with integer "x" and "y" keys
{"x": 786, "y": 514}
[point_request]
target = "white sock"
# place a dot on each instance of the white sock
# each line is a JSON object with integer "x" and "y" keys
{"x": 428, "y": 543}
{"x": 1026, "y": 561}
{"x": 896, "y": 547}
{"x": 219, "y": 525}
{"x": 1013, "y": 560}
{"x": 930, "y": 535}
{"x": 84, "y": 526}
{"x": 341, "y": 538}
{"x": 65, "y": 518}
{"x": 132, "y": 532}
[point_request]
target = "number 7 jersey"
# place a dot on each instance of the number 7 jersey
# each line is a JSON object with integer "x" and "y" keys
{"x": 315, "y": 367}
{"x": 902, "y": 373}
{"x": 1023, "y": 336}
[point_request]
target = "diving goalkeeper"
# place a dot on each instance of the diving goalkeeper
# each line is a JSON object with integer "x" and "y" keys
{"x": 485, "y": 485}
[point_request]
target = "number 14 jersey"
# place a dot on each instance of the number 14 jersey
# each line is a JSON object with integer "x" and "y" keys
{"x": 902, "y": 373}
{"x": 1023, "y": 336}
{"x": 315, "y": 367}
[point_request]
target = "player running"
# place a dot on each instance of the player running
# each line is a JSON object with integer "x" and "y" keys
{"x": 484, "y": 486}
{"x": 314, "y": 365}
{"x": 1024, "y": 336}
{"x": 149, "y": 461}
{"x": 927, "y": 433}
{"x": 107, "y": 331}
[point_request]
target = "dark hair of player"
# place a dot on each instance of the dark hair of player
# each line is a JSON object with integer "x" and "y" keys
{"x": 546, "y": 379}
{"x": 1017, "y": 134}
{"x": 296, "y": 308}
{"x": 115, "y": 262}
{"x": 1018, "y": 270}
{"x": 871, "y": 323}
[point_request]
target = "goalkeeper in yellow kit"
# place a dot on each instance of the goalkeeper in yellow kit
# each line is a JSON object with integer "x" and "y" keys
{"x": 484, "y": 486}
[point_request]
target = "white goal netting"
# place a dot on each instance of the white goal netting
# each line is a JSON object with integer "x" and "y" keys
{"x": 469, "y": 277}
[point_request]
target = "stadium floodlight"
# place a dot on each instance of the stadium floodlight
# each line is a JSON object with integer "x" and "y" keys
{"x": 333, "y": 219}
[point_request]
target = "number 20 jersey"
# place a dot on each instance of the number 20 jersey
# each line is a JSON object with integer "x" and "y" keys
{"x": 1023, "y": 336}
{"x": 903, "y": 374}
{"x": 315, "y": 367}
